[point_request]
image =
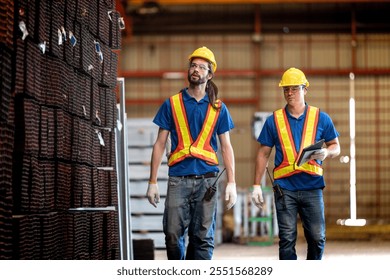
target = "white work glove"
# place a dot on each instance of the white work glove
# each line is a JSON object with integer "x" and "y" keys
{"x": 153, "y": 194}
{"x": 257, "y": 196}
{"x": 230, "y": 195}
{"x": 320, "y": 155}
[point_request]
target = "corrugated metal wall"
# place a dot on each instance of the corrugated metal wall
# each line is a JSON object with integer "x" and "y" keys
{"x": 247, "y": 76}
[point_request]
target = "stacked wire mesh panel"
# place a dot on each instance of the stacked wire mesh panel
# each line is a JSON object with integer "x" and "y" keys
{"x": 6, "y": 125}
{"x": 58, "y": 183}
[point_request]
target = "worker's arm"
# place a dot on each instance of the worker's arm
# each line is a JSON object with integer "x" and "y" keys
{"x": 229, "y": 162}
{"x": 155, "y": 162}
{"x": 262, "y": 158}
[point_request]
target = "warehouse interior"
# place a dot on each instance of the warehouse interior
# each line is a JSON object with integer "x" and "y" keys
{"x": 81, "y": 78}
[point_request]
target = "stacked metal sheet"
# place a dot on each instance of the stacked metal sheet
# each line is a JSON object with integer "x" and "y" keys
{"x": 115, "y": 31}
{"x": 63, "y": 186}
{"x": 82, "y": 12}
{"x": 26, "y": 237}
{"x": 27, "y": 126}
{"x": 111, "y": 109}
{"x": 93, "y": 18}
{"x": 81, "y": 95}
{"x": 64, "y": 132}
{"x": 97, "y": 105}
{"x": 96, "y": 236}
{"x": 57, "y": 29}
{"x": 109, "y": 66}
{"x": 103, "y": 22}
{"x": 6, "y": 153}
{"x": 81, "y": 235}
{"x": 112, "y": 238}
{"x": 109, "y": 156}
{"x": 32, "y": 192}
{"x": 81, "y": 186}
{"x": 27, "y": 18}
{"x": 57, "y": 86}
{"x": 51, "y": 237}
{"x": 57, "y": 116}
{"x": 103, "y": 111}
{"x": 6, "y": 67}
{"x": 6, "y": 23}
{"x": 82, "y": 141}
{"x": 91, "y": 235}
{"x": 43, "y": 22}
{"x": 104, "y": 191}
{"x": 29, "y": 70}
{"x": 48, "y": 180}
{"x": 87, "y": 51}
{"x": 47, "y": 132}
{"x": 6, "y": 236}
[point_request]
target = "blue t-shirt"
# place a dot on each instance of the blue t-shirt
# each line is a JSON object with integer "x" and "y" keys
{"x": 196, "y": 114}
{"x": 269, "y": 137}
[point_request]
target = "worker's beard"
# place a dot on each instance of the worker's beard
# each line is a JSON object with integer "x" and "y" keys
{"x": 196, "y": 79}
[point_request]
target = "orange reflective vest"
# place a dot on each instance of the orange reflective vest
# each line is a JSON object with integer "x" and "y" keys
{"x": 186, "y": 147}
{"x": 288, "y": 166}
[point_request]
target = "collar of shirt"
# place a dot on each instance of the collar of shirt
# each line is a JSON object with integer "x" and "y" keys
{"x": 188, "y": 97}
{"x": 294, "y": 118}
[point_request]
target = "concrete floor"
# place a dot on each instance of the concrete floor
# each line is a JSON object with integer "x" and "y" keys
{"x": 378, "y": 249}
{"x": 368, "y": 242}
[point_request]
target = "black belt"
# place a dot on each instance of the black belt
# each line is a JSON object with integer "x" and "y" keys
{"x": 204, "y": 176}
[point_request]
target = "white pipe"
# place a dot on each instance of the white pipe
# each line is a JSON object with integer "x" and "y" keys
{"x": 352, "y": 149}
{"x": 352, "y": 164}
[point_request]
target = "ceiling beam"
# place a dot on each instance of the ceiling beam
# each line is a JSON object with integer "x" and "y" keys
{"x": 229, "y": 2}
{"x": 160, "y": 74}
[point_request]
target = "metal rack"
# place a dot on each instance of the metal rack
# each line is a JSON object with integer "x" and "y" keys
{"x": 124, "y": 215}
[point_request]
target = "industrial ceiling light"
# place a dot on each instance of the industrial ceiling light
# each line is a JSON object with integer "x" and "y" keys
{"x": 149, "y": 8}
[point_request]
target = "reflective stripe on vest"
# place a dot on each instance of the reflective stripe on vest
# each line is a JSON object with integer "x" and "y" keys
{"x": 288, "y": 166}
{"x": 186, "y": 147}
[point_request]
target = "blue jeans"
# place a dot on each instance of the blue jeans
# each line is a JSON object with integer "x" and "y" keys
{"x": 186, "y": 213}
{"x": 309, "y": 205}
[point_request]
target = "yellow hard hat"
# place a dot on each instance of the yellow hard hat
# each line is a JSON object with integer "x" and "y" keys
{"x": 204, "y": 53}
{"x": 293, "y": 77}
